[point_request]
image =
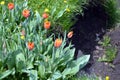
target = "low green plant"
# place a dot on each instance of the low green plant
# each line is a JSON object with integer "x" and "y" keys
{"x": 110, "y": 51}
{"x": 26, "y": 53}
{"x": 106, "y": 41}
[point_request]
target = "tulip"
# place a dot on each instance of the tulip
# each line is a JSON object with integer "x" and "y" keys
{"x": 57, "y": 43}
{"x": 30, "y": 45}
{"x": 26, "y": 13}
{"x": 70, "y": 34}
{"x": 47, "y": 24}
{"x": 10, "y": 6}
{"x": 45, "y": 15}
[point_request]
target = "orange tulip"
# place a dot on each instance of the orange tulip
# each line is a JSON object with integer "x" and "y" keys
{"x": 30, "y": 45}
{"x": 26, "y": 13}
{"x": 10, "y": 6}
{"x": 70, "y": 34}
{"x": 47, "y": 24}
{"x": 58, "y": 43}
{"x": 45, "y": 15}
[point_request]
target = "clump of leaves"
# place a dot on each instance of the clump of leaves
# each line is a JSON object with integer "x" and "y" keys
{"x": 110, "y": 51}
{"x": 106, "y": 41}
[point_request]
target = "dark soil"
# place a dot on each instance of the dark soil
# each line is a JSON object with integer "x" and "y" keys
{"x": 103, "y": 69}
{"x": 88, "y": 30}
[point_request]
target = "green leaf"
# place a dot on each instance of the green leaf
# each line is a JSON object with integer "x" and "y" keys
{"x": 56, "y": 75}
{"x": 60, "y": 14}
{"x": 66, "y": 57}
{"x": 82, "y": 61}
{"x": 11, "y": 59}
{"x": 1, "y": 58}
{"x": 20, "y": 61}
{"x": 49, "y": 49}
{"x": 74, "y": 66}
{"x": 38, "y": 17}
{"x": 6, "y": 73}
{"x": 66, "y": 71}
{"x": 41, "y": 70}
{"x": 33, "y": 75}
{"x": 30, "y": 63}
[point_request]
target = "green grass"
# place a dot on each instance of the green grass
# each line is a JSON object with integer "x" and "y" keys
{"x": 113, "y": 12}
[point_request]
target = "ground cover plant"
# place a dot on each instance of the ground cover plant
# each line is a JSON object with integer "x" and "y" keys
{"x": 27, "y": 53}
{"x": 110, "y": 51}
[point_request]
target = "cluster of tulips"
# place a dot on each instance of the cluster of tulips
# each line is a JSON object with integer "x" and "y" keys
{"x": 27, "y": 48}
{"x": 47, "y": 24}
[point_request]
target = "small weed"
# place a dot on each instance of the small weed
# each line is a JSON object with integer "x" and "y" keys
{"x": 110, "y": 51}
{"x": 106, "y": 41}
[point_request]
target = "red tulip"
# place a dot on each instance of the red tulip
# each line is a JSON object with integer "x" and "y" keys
{"x": 45, "y": 15}
{"x": 47, "y": 24}
{"x": 30, "y": 45}
{"x": 10, "y": 6}
{"x": 26, "y": 13}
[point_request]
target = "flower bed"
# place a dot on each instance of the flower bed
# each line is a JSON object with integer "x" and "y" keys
{"x": 27, "y": 53}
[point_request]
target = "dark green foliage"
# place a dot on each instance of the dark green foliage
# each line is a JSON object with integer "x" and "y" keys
{"x": 110, "y": 51}
{"x": 113, "y": 12}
